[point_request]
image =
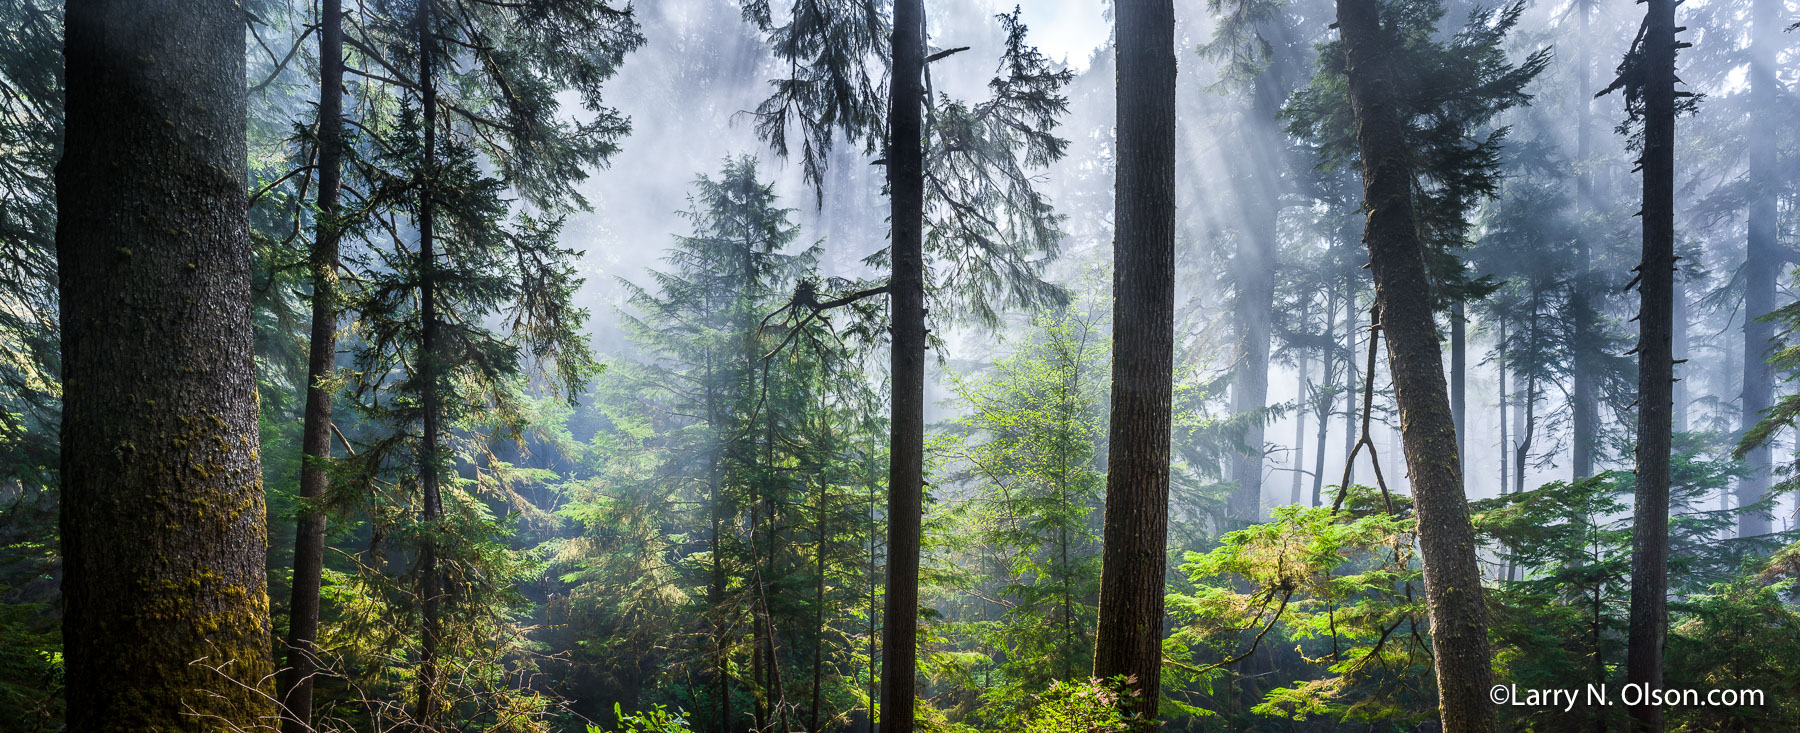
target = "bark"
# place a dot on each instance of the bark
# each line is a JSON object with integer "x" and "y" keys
{"x": 1128, "y": 640}
{"x": 1299, "y": 459}
{"x": 1679, "y": 351}
{"x": 1583, "y": 408}
{"x": 1351, "y": 390}
{"x": 1453, "y": 593}
{"x": 165, "y": 603}
{"x": 295, "y": 684}
{"x": 1650, "y": 529}
{"x": 1324, "y": 402}
{"x": 1459, "y": 373}
{"x": 1505, "y": 393}
{"x": 430, "y": 582}
{"x": 1762, "y": 264}
{"x": 1254, "y": 305}
{"x": 906, "y": 446}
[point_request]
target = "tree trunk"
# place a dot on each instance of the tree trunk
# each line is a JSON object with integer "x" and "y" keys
{"x": 1584, "y": 422}
{"x": 1505, "y": 394}
{"x": 1324, "y": 402}
{"x": 1650, "y": 529}
{"x": 1128, "y": 640}
{"x": 1678, "y": 349}
{"x": 1459, "y": 373}
{"x": 295, "y": 684}
{"x": 165, "y": 602}
{"x": 1352, "y": 427}
{"x": 1299, "y": 459}
{"x": 1453, "y": 593}
{"x": 906, "y": 447}
{"x": 431, "y": 511}
{"x": 1762, "y": 264}
{"x": 1252, "y": 309}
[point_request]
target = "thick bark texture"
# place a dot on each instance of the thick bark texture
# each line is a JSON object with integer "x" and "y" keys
{"x": 165, "y": 606}
{"x": 1129, "y": 638}
{"x": 1762, "y": 263}
{"x": 1453, "y": 593}
{"x": 1650, "y": 530}
{"x": 906, "y": 446}
{"x": 1459, "y": 372}
{"x": 295, "y": 684}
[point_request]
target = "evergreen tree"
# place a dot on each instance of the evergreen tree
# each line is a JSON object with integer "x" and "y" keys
{"x": 165, "y": 603}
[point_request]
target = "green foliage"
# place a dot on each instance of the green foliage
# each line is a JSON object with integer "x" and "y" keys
{"x": 1032, "y": 448}
{"x": 657, "y": 719}
{"x": 1343, "y": 588}
{"x": 1086, "y": 706}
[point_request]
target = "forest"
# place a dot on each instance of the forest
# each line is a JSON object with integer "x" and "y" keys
{"x": 895, "y": 366}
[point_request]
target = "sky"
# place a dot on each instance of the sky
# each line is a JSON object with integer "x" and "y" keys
{"x": 1065, "y": 30}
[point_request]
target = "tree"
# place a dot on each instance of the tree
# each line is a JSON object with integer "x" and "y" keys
{"x": 294, "y": 686}
{"x": 960, "y": 192}
{"x": 1647, "y": 76}
{"x": 1128, "y": 640}
{"x": 165, "y": 602}
{"x": 1762, "y": 255}
{"x": 1403, "y": 289}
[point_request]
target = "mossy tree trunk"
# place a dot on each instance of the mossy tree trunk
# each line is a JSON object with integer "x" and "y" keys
{"x": 166, "y": 612}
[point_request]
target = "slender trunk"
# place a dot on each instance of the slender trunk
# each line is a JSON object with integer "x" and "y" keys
{"x": 162, "y": 518}
{"x": 1505, "y": 395}
{"x": 1762, "y": 263}
{"x": 715, "y": 594}
{"x": 294, "y": 686}
{"x": 1299, "y": 460}
{"x": 818, "y": 655}
{"x": 1128, "y": 640}
{"x": 1351, "y": 391}
{"x": 1525, "y": 417}
{"x": 1459, "y": 372}
{"x": 1584, "y": 420}
{"x": 1324, "y": 401}
{"x": 1650, "y": 530}
{"x": 430, "y": 582}
{"x": 1678, "y": 349}
{"x": 1453, "y": 593}
{"x": 906, "y": 447}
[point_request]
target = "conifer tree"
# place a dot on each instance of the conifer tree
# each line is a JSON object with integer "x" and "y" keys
{"x": 165, "y": 601}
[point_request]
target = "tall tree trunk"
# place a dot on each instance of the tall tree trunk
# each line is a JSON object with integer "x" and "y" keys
{"x": 431, "y": 511}
{"x": 295, "y": 684}
{"x": 1128, "y": 640}
{"x": 1505, "y": 394}
{"x": 165, "y": 602}
{"x": 1584, "y": 409}
{"x": 1254, "y": 305}
{"x": 1453, "y": 593}
{"x": 1351, "y": 390}
{"x": 1650, "y": 529}
{"x": 906, "y": 446}
{"x": 1762, "y": 262}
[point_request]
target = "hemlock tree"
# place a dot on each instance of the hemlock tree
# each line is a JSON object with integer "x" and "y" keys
{"x": 961, "y": 193}
{"x": 294, "y": 685}
{"x": 1371, "y": 33}
{"x": 1128, "y": 640}
{"x": 1647, "y": 76}
{"x": 166, "y": 614}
